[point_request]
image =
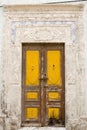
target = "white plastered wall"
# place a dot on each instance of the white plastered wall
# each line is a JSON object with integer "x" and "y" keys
{"x": 83, "y": 99}
{"x": 34, "y": 24}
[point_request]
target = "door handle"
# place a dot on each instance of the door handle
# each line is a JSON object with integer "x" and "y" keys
{"x": 45, "y": 86}
{"x": 44, "y": 77}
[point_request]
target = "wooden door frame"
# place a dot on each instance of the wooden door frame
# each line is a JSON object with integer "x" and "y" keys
{"x": 36, "y": 45}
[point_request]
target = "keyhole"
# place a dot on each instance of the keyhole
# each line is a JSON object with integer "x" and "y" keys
{"x": 44, "y": 75}
{"x": 32, "y": 68}
{"x": 53, "y": 66}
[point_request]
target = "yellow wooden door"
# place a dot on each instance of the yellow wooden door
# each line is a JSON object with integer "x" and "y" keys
{"x": 43, "y": 84}
{"x": 32, "y": 80}
{"x": 54, "y": 87}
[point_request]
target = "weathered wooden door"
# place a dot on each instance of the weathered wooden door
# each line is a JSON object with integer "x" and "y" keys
{"x": 43, "y": 95}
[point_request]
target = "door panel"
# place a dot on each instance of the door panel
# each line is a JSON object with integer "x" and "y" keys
{"x": 53, "y": 67}
{"x": 53, "y": 96}
{"x": 31, "y": 113}
{"x": 43, "y": 93}
{"x": 32, "y": 67}
{"x": 32, "y": 95}
{"x": 53, "y": 112}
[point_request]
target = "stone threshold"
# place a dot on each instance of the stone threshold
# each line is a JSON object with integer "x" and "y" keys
{"x": 42, "y": 128}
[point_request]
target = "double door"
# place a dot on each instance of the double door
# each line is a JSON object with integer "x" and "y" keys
{"x": 43, "y": 95}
